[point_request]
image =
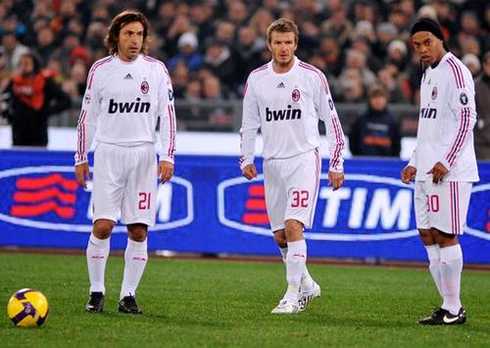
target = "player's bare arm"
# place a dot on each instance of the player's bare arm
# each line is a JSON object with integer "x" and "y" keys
{"x": 438, "y": 172}
{"x": 250, "y": 171}
{"x": 336, "y": 179}
{"x": 408, "y": 174}
{"x": 82, "y": 173}
{"x": 165, "y": 171}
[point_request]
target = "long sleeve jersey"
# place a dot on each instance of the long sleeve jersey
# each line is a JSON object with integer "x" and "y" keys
{"x": 287, "y": 107}
{"x": 446, "y": 120}
{"x": 122, "y": 104}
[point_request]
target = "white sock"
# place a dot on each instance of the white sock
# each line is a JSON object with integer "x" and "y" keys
{"x": 97, "y": 255}
{"x": 451, "y": 268}
{"x": 295, "y": 265}
{"x": 433, "y": 252}
{"x": 306, "y": 279}
{"x": 135, "y": 257}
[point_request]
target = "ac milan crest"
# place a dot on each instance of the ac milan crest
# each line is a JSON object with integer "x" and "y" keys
{"x": 145, "y": 87}
{"x": 295, "y": 95}
{"x": 463, "y": 98}
{"x": 434, "y": 93}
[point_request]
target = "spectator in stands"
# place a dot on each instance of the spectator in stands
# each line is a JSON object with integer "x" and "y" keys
{"x": 188, "y": 48}
{"x": 33, "y": 99}
{"x": 389, "y": 78}
{"x": 473, "y": 63}
{"x": 352, "y": 86}
{"x": 338, "y": 26}
{"x": 376, "y": 132}
{"x": 482, "y": 128}
{"x": 218, "y": 117}
{"x": 46, "y": 43}
{"x": 219, "y": 60}
{"x": 12, "y": 49}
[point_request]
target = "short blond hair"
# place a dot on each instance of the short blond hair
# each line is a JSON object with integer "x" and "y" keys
{"x": 283, "y": 25}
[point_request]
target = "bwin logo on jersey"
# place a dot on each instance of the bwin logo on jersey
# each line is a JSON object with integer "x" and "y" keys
{"x": 123, "y": 108}
{"x": 428, "y": 113}
{"x": 280, "y": 115}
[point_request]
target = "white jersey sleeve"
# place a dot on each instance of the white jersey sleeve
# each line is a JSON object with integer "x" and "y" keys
{"x": 90, "y": 110}
{"x": 250, "y": 126}
{"x": 167, "y": 117}
{"x": 335, "y": 135}
{"x": 461, "y": 98}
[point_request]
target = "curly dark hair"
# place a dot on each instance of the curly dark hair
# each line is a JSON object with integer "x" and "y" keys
{"x": 123, "y": 18}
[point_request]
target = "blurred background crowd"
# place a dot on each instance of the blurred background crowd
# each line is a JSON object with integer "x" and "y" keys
{"x": 211, "y": 46}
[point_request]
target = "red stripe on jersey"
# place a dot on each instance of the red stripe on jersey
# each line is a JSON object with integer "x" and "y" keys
{"x": 81, "y": 136}
{"x": 171, "y": 147}
{"x": 335, "y": 160}
{"x": 315, "y": 70}
{"x": 455, "y": 74}
{"x": 457, "y": 209}
{"x": 451, "y": 204}
{"x": 317, "y": 183}
{"x": 95, "y": 66}
{"x": 461, "y": 136}
{"x": 153, "y": 60}
{"x": 245, "y": 89}
{"x": 459, "y": 72}
{"x": 263, "y": 67}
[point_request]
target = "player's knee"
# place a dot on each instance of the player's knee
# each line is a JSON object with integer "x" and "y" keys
{"x": 137, "y": 232}
{"x": 280, "y": 239}
{"x": 446, "y": 239}
{"x": 103, "y": 228}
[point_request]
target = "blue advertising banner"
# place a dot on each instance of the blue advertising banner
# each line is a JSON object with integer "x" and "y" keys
{"x": 208, "y": 207}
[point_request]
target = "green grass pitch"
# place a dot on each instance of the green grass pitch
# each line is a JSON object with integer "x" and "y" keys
{"x": 205, "y": 303}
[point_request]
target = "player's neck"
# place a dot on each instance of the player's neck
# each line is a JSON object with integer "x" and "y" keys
{"x": 126, "y": 59}
{"x": 438, "y": 60}
{"x": 282, "y": 68}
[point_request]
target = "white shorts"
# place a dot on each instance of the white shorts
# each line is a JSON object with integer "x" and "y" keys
{"x": 125, "y": 183}
{"x": 291, "y": 188}
{"x": 443, "y": 206}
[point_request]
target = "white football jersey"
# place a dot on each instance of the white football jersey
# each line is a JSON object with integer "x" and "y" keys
{"x": 122, "y": 104}
{"x": 446, "y": 120}
{"x": 287, "y": 107}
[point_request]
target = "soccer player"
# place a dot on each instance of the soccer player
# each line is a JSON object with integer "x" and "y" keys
{"x": 127, "y": 92}
{"x": 443, "y": 164}
{"x": 286, "y": 98}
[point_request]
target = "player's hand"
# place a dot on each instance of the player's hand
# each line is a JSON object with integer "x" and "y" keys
{"x": 438, "y": 172}
{"x": 82, "y": 172}
{"x": 408, "y": 174}
{"x": 250, "y": 171}
{"x": 165, "y": 171}
{"x": 336, "y": 179}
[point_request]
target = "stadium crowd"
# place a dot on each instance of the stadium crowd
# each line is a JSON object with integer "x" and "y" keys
{"x": 211, "y": 46}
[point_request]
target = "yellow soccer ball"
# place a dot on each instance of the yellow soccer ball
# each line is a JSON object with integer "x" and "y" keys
{"x": 28, "y": 308}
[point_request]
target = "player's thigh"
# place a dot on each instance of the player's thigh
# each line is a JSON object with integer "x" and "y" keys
{"x": 420, "y": 206}
{"x": 302, "y": 184}
{"x": 448, "y": 205}
{"x": 275, "y": 193}
{"x": 109, "y": 177}
{"x": 140, "y": 192}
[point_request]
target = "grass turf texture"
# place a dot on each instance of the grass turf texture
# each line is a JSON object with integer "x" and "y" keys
{"x": 211, "y": 303}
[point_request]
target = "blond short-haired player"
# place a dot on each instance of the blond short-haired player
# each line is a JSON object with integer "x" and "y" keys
{"x": 286, "y": 98}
